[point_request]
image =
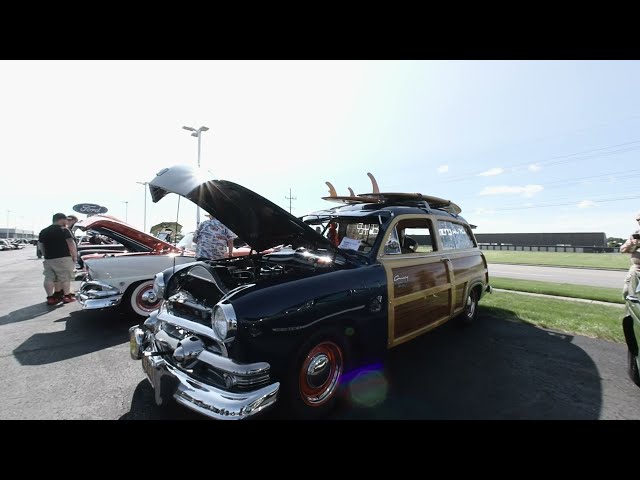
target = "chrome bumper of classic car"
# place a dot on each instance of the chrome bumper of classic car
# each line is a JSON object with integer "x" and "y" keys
{"x": 168, "y": 381}
{"x": 94, "y": 295}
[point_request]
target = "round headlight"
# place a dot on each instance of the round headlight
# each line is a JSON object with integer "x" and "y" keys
{"x": 224, "y": 321}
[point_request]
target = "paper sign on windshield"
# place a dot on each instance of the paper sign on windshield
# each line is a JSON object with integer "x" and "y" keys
{"x": 349, "y": 243}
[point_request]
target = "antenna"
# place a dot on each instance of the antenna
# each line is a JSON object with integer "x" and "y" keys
{"x": 290, "y": 198}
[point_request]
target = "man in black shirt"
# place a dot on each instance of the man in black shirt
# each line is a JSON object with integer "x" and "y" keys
{"x": 60, "y": 255}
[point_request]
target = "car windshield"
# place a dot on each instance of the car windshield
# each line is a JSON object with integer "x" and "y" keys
{"x": 357, "y": 234}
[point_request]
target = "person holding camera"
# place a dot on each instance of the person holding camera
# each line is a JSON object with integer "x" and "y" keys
{"x": 632, "y": 246}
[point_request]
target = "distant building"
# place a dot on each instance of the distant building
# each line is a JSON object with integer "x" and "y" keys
{"x": 574, "y": 239}
{"x": 17, "y": 233}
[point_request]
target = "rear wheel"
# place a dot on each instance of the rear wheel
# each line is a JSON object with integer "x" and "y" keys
{"x": 470, "y": 307}
{"x": 313, "y": 384}
{"x": 140, "y": 300}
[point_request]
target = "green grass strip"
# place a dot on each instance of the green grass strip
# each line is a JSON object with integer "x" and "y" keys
{"x": 612, "y": 261}
{"x": 601, "y": 294}
{"x": 590, "y": 320}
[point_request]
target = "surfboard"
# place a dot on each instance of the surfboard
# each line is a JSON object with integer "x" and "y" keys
{"x": 351, "y": 199}
{"x": 434, "y": 202}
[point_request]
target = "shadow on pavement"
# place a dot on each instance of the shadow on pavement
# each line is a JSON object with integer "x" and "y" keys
{"x": 495, "y": 369}
{"x": 85, "y": 332}
{"x": 27, "y": 313}
{"x": 143, "y": 407}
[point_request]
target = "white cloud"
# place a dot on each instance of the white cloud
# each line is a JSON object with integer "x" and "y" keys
{"x": 586, "y": 204}
{"x": 492, "y": 172}
{"x": 443, "y": 168}
{"x": 484, "y": 211}
{"x": 526, "y": 191}
{"x": 533, "y": 167}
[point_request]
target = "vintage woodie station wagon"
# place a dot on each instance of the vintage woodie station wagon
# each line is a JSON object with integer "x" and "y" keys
{"x": 234, "y": 337}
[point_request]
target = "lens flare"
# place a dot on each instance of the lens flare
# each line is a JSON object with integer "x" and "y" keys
{"x": 368, "y": 387}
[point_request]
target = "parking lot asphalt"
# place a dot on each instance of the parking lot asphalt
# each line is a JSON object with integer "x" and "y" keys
{"x": 65, "y": 363}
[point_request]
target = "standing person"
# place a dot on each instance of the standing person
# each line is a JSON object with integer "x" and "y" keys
{"x": 332, "y": 235}
{"x": 71, "y": 221}
{"x": 60, "y": 255}
{"x": 213, "y": 239}
{"x": 632, "y": 246}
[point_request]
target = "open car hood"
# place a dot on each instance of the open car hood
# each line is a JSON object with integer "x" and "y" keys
{"x": 133, "y": 239}
{"x": 256, "y": 220}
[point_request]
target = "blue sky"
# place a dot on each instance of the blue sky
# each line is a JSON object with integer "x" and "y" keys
{"x": 521, "y": 146}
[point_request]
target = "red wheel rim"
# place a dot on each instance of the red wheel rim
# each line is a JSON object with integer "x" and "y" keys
{"x": 320, "y": 374}
{"x": 146, "y": 300}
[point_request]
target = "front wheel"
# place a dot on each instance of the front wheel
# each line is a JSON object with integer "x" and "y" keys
{"x": 140, "y": 299}
{"x": 313, "y": 384}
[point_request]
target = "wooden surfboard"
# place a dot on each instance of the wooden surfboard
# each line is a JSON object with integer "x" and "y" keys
{"x": 352, "y": 199}
{"x": 434, "y": 202}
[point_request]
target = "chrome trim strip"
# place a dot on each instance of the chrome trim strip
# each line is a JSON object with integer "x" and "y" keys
{"x": 194, "y": 327}
{"x": 229, "y": 366}
{"x": 300, "y": 327}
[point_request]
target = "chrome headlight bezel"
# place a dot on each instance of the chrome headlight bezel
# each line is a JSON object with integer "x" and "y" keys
{"x": 224, "y": 322}
{"x": 159, "y": 285}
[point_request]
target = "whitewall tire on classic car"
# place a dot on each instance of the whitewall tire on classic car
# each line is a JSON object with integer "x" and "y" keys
{"x": 140, "y": 299}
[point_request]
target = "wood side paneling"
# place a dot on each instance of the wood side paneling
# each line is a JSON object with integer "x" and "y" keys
{"x": 460, "y": 295}
{"x": 414, "y": 315}
{"x": 467, "y": 264}
{"x": 416, "y": 278}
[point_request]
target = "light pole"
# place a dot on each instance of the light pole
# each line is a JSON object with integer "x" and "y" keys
{"x": 196, "y": 133}
{"x": 144, "y": 185}
{"x": 126, "y": 211}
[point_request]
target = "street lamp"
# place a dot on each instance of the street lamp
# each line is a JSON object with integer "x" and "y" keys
{"x": 144, "y": 185}
{"x": 126, "y": 211}
{"x": 196, "y": 133}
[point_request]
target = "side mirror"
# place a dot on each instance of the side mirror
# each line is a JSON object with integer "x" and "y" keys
{"x": 632, "y": 299}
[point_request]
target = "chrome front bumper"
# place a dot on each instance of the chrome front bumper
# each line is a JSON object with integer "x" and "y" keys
{"x": 96, "y": 295}
{"x": 169, "y": 382}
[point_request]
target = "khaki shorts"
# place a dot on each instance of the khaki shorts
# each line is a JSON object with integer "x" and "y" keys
{"x": 59, "y": 269}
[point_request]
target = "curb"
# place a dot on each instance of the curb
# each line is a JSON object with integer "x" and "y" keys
{"x": 570, "y": 299}
{"x": 559, "y": 266}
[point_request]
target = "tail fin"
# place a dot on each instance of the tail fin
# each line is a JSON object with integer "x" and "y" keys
{"x": 332, "y": 191}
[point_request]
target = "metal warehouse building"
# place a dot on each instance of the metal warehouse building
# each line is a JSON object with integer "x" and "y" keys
{"x": 574, "y": 239}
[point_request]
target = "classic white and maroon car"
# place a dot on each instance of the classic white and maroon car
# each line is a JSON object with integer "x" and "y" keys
{"x": 125, "y": 279}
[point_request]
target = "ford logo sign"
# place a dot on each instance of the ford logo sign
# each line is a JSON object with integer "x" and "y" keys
{"x": 89, "y": 208}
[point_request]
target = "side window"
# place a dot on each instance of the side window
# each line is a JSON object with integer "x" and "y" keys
{"x": 415, "y": 235}
{"x": 392, "y": 247}
{"x": 454, "y": 235}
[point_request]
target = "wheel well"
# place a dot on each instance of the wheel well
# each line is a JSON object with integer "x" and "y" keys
{"x": 627, "y": 328}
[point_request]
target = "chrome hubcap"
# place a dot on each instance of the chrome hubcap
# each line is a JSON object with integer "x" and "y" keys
{"x": 147, "y": 299}
{"x": 318, "y": 371}
{"x": 471, "y": 305}
{"x": 320, "y": 374}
